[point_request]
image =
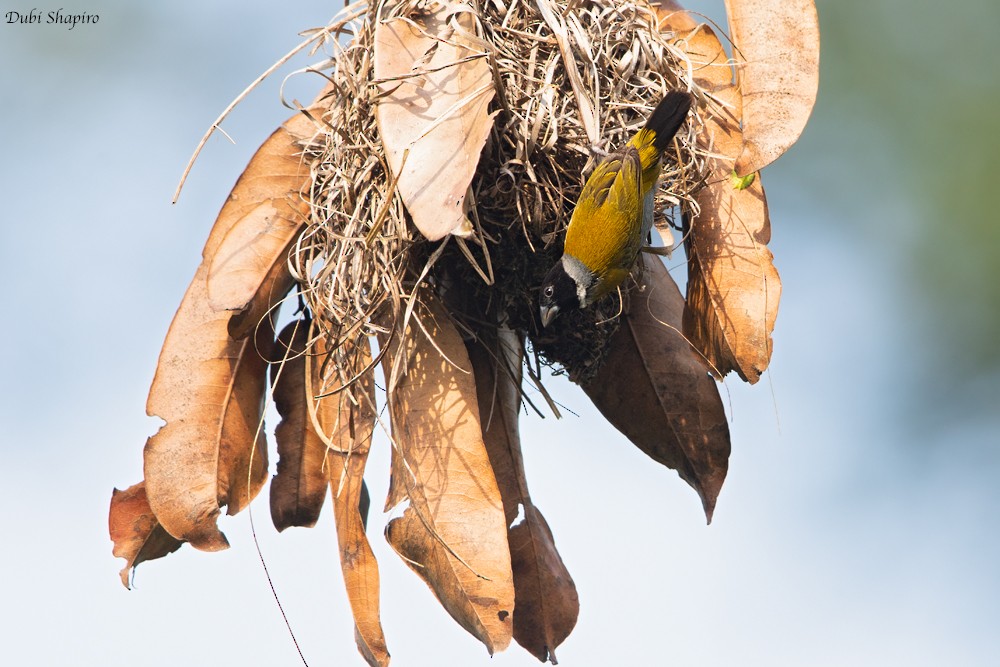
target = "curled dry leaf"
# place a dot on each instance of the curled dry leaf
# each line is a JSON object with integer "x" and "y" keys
{"x": 453, "y": 533}
{"x": 275, "y": 280}
{"x": 546, "y": 604}
{"x": 210, "y": 380}
{"x": 242, "y": 446}
{"x": 136, "y": 533}
{"x": 656, "y": 389}
{"x": 433, "y": 117}
{"x": 357, "y": 560}
{"x": 351, "y": 437}
{"x": 209, "y": 389}
{"x": 733, "y": 288}
{"x": 298, "y": 489}
{"x": 268, "y": 207}
{"x": 777, "y": 51}
{"x": 307, "y": 466}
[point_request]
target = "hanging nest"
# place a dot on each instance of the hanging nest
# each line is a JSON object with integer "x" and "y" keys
{"x": 558, "y": 101}
{"x": 414, "y": 208}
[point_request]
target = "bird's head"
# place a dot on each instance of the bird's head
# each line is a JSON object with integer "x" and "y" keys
{"x": 567, "y": 285}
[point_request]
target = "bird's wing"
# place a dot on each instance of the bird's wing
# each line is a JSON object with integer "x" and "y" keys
{"x": 595, "y": 190}
{"x": 626, "y": 201}
{"x": 605, "y": 232}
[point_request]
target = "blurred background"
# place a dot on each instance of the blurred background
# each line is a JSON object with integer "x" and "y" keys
{"x": 859, "y": 523}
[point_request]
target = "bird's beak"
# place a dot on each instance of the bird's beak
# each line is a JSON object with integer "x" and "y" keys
{"x": 548, "y": 314}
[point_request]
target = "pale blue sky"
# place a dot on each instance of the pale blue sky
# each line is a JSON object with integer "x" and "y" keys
{"x": 858, "y": 525}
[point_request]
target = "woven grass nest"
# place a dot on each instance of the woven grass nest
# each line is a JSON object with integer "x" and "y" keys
{"x": 529, "y": 175}
{"x": 408, "y": 215}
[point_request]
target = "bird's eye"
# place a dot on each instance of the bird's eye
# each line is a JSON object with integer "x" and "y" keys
{"x": 548, "y": 291}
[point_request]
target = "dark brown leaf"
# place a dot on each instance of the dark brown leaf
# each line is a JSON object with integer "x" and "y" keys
{"x": 546, "y": 604}
{"x": 298, "y": 489}
{"x": 656, "y": 389}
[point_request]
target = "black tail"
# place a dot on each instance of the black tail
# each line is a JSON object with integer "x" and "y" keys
{"x": 668, "y": 116}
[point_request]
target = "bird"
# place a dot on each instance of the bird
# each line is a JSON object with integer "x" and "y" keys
{"x": 613, "y": 215}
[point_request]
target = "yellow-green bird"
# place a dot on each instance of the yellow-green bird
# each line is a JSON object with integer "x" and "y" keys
{"x": 613, "y": 215}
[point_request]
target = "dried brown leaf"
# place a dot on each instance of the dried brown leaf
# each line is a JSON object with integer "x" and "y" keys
{"x": 398, "y": 477}
{"x": 733, "y": 288}
{"x": 777, "y": 50}
{"x": 357, "y": 560}
{"x": 298, "y": 489}
{"x": 433, "y": 119}
{"x": 264, "y": 214}
{"x": 258, "y": 242}
{"x": 546, "y": 604}
{"x": 307, "y": 466}
{"x": 656, "y": 389}
{"x": 209, "y": 389}
{"x": 453, "y": 533}
{"x": 348, "y": 419}
{"x": 136, "y": 533}
{"x": 274, "y": 284}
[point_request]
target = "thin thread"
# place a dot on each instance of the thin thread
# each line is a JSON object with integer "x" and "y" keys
{"x": 270, "y": 582}
{"x": 253, "y": 527}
